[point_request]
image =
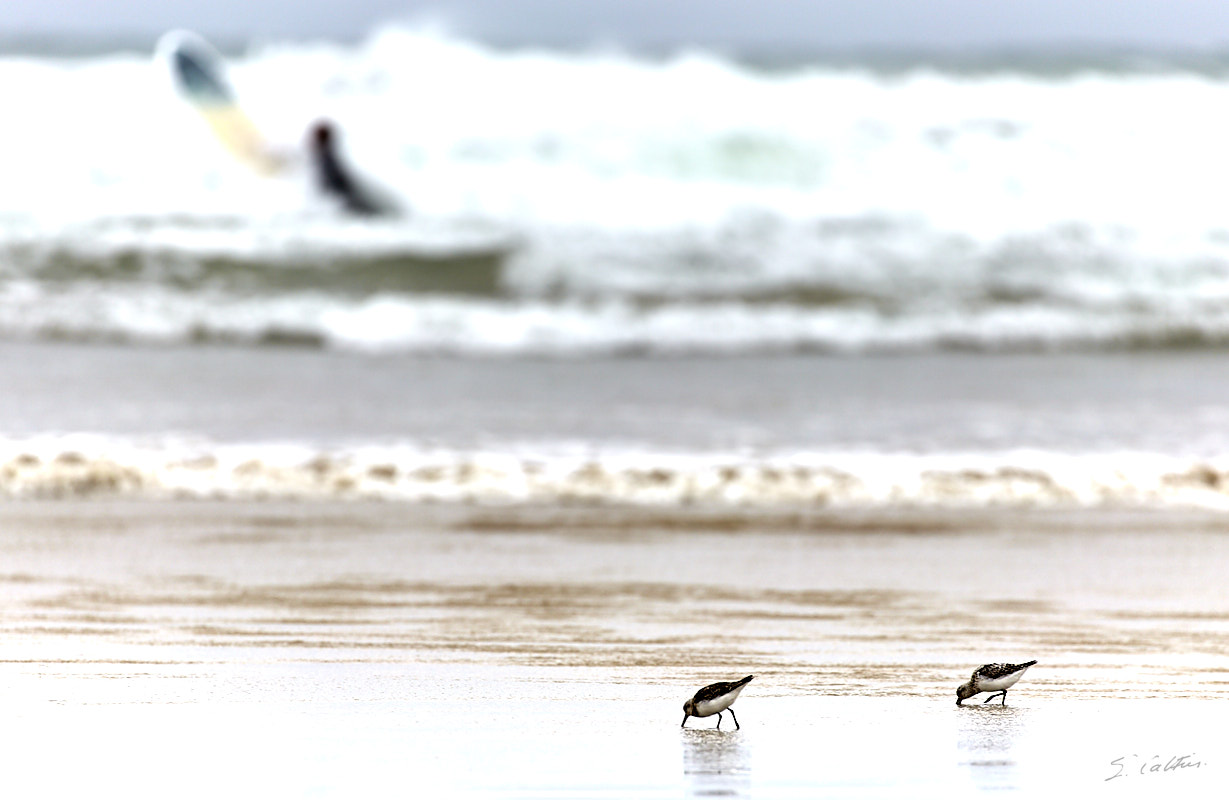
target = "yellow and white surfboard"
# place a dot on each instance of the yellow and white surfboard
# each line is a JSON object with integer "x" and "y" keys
{"x": 197, "y": 72}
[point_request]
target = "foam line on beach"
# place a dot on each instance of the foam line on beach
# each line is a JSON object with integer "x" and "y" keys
{"x": 82, "y": 467}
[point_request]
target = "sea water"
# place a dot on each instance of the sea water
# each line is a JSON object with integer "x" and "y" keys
{"x": 747, "y": 281}
{"x": 686, "y": 202}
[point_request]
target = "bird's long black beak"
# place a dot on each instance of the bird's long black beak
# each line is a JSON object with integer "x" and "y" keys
{"x": 685, "y": 716}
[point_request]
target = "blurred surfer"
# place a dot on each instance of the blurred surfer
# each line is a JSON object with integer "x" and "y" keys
{"x": 336, "y": 180}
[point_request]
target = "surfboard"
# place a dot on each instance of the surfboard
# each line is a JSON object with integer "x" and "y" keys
{"x": 196, "y": 69}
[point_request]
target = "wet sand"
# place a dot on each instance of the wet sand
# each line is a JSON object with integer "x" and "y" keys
{"x": 545, "y": 651}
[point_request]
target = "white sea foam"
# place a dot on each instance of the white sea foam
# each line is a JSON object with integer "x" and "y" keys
{"x": 92, "y": 466}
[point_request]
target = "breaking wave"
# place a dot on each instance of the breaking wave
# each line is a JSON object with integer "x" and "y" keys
{"x": 579, "y": 202}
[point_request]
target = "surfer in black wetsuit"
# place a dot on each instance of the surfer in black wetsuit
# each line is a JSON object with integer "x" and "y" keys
{"x": 337, "y": 181}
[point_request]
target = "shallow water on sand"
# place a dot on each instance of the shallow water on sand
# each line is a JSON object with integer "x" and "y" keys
{"x": 376, "y": 649}
{"x": 379, "y": 730}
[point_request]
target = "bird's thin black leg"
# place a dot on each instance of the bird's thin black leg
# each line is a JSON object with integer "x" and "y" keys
{"x": 736, "y": 725}
{"x": 718, "y": 720}
{"x": 996, "y": 694}
{"x": 1004, "y": 697}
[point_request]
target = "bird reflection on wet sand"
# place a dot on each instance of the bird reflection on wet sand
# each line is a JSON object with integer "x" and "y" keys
{"x": 987, "y": 739}
{"x": 716, "y": 763}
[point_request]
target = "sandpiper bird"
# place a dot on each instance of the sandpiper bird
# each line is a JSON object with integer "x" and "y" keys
{"x": 997, "y": 678}
{"x": 714, "y": 699}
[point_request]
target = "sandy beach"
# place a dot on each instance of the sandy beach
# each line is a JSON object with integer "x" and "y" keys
{"x": 384, "y": 649}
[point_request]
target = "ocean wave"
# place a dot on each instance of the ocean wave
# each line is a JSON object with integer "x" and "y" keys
{"x": 450, "y": 327}
{"x": 473, "y": 304}
{"x": 84, "y": 467}
{"x": 604, "y": 202}
{"x": 656, "y": 143}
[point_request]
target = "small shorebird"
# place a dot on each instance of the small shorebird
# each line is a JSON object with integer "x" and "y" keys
{"x": 714, "y": 699}
{"x": 997, "y": 678}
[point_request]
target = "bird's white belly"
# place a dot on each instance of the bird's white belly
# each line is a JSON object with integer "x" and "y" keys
{"x": 999, "y": 684}
{"x": 715, "y": 706}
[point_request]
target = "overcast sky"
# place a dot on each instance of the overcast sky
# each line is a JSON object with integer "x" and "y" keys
{"x": 793, "y": 23}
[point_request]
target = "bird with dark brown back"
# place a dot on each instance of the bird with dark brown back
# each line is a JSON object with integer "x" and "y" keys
{"x": 714, "y": 699}
{"x": 996, "y": 678}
